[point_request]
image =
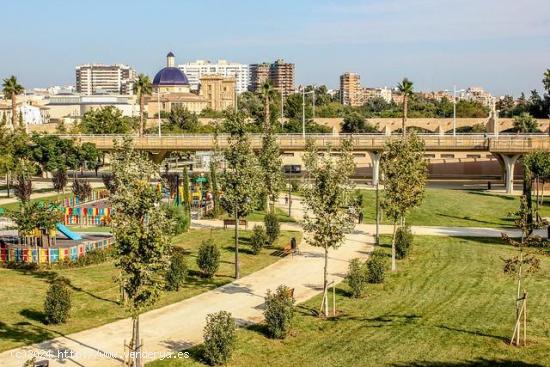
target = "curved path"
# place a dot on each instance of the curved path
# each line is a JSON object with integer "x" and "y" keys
{"x": 180, "y": 325}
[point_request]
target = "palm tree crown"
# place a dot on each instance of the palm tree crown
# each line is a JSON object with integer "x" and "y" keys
{"x": 142, "y": 88}
{"x": 267, "y": 92}
{"x": 407, "y": 90}
{"x": 11, "y": 89}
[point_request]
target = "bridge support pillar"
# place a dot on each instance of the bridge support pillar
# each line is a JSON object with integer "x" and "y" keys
{"x": 375, "y": 159}
{"x": 509, "y": 161}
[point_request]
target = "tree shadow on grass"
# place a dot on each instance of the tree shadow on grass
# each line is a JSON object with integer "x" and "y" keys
{"x": 33, "y": 315}
{"x": 24, "y": 332}
{"x": 479, "y": 362}
{"x": 505, "y": 219}
{"x": 476, "y": 333}
{"x": 242, "y": 250}
{"x": 496, "y": 196}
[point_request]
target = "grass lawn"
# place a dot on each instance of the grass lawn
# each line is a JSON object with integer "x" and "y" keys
{"x": 50, "y": 198}
{"x": 449, "y": 304}
{"x": 99, "y": 229}
{"x": 95, "y": 293}
{"x": 457, "y": 208}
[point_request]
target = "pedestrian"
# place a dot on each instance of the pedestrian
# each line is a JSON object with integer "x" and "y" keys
{"x": 360, "y": 217}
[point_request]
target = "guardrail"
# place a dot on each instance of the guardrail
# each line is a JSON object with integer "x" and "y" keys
{"x": 464, "y": 142}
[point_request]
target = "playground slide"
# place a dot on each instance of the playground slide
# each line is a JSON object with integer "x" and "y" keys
{"x": 67, "y": 232}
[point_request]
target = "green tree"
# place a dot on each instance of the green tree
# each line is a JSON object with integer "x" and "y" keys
{"x": 270, "y": 163}
{"x": 107, "y": 120}
{"x": 406, "y": 88}
{"x": 327, "y": 219}
{"x": 404, "y": 171}
{"x": 525, "y": 123}
{"x": 355, "y": 123}
{"x": 142, "y": 88}
{"x": 142, "y": 231}
{"x": 241, "y": 178}
{"x": 267, "y": 94}
{"x": 505, "y": 106}
{"x": 12, "y": 89}
{"x": 186, "y": 193}
{"x": 546, "y": 81}
{"x": 181, "y": 120}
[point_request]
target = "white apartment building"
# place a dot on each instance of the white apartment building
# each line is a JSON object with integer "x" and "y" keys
{"x": 92, "y": 79}
{"x": 196, "y": 69}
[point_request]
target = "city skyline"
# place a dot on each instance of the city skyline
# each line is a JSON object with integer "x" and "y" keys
{"x": 499, "y": 45}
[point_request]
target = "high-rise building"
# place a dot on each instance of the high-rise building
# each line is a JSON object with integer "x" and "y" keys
{"x": 105, "y": 79}
{"x": 281, "y": 73}
{"x": 197, "y": 69}
{"x": 259, "y": 73}
{"x": 351, "y": 93}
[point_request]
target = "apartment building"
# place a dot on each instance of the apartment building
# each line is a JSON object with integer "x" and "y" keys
{"x": 259, "y": 73}
{"x": 197, "y": 69}
{"x": 281, "y": 74}
{"x": 92, "y": 79}
{"x": 351, "y": 93}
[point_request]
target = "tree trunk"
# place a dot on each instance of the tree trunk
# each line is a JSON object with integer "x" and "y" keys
{"x": 325, "y": 283}
{"x": 135, "y": 344}
{"x": 141, "y": 104}
{"x": 393, "y": 261}
{"x": 13, "y": 110}
{"x": 404, "y": 122}
{"x": 377, "y": 236}
{"x": 8, "y": 183}
{"x": 237, "y": 265}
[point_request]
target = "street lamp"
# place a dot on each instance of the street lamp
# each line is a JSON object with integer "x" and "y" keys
{"x": 304, "y": 108}
{"x": 455, "y": 91}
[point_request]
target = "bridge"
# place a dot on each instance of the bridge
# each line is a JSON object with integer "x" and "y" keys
{"x": 506, "y": 148}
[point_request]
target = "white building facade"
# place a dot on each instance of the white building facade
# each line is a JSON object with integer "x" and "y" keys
{"x": 93, "y": 79}
{"x": 196, "y": 69}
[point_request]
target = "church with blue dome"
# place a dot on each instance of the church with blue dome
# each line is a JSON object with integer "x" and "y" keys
{"x": 171, "y": 89}
{"x": 171, "y": 79}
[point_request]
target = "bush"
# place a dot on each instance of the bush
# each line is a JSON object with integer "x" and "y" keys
{"x": 93, "y": 257}
{"x": 208, "y": 258}
{"x": 272, "y": 228}
{"x": 357, "y": 277}
{"x": 57, "y": 304}
{"x": 82, "y": 190}
{"x": 258, "y": 239}
{"x": 179, "y": 217}
{"x": 376, "y": 266}
{"x": 175, "y": 277}
{"x": 295, "y": 185}
{"x": 279, "y": 311}
{"x": 219, "y": 338}
{"x": 403, "y": 242}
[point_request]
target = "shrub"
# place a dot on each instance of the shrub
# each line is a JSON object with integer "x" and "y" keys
{"x": 179, "y": 217}
{"x": 272, "y": 228}
{"x": 208, "y": 258}
{"x": 357, "y": 277}
{"x": 295, "y": 185}
{"x": 57, "y": 304}
{"x": 279, "y": 311}
{"x": 219, "y": 338}
{"x": 82, "y": 190}
{"x": 175, "y": 277}
{"x": 403, "y": 242}
{"x": 376, "y": 266}
{"x": 93, "y": 257}
{"x": 258, "y": 239}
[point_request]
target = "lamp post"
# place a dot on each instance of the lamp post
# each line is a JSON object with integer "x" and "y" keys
{"x": 455, "y": 91}
{"x": 304, "y": 108}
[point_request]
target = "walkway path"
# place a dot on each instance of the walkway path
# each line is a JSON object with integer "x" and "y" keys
{"x": 180, "y": 325}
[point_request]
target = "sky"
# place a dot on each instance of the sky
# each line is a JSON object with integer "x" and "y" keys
{"x": 501, "y": 45}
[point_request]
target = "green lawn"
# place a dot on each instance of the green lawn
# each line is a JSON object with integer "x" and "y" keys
{"x": 95, "y": 294}
{"x": 457, "y": 208}
{"x": 50, "y": 198}
{"x": 448, "y": 305}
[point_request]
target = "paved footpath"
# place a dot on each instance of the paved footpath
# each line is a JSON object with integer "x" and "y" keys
{"x": 180, "y": 325}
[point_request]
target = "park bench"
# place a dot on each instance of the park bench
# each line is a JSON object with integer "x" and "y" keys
{"x": 290, "y": 249}
{"x": 231, "y": 222}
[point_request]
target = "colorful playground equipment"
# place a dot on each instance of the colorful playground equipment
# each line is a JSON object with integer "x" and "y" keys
{"x": 14, "y": 253}
{"x": 72, "y": 201}
{"x": 87, "y": 216}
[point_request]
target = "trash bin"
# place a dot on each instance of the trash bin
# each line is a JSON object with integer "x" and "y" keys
{"x": 293, "y": 243}
{"x": 488, "y": 185}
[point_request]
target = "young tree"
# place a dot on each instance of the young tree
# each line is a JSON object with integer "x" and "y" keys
{"x": 406, "y": 88}
{"x": 519, "y": 266}
{"x": 142, "y": 88}
{"x": 23, "y": 176}
{"x": 327, "y": 219}
{"x": 12, "y": 89}
{"x": 270, "y": 163}
{"x": 525, "y": 123}
{"x": 241, "y": 184}
{"x": 186, "y": 193}
{"x": 82, "y": 190}
{"x": 60, "y": 179}
{"x": 142, "y": 230}
{"x": 404, "y": 177}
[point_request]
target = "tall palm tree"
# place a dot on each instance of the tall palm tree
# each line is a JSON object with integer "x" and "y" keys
{"x": 407, "y": 90}
{"x": 142, "y": 88}
{"x": 267, "y": 93}
{"x": 546, "y": 80}
{"x": 11, "y": 89}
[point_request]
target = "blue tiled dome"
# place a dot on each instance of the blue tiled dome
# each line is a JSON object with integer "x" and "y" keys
{"x": 170, "y": 76}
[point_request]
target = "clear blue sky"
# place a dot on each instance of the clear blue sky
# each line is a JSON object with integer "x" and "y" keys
{"x": 502, "y": 45}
